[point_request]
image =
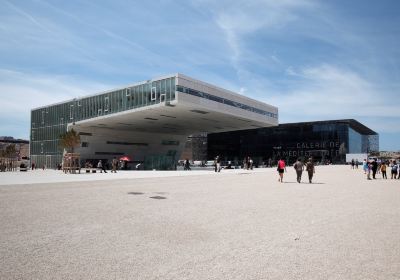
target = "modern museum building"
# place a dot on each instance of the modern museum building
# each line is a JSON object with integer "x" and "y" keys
{"x": 147, "y": 122}
{"x": 324, "y": 141}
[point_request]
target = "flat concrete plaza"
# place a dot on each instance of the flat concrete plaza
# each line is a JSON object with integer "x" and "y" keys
{"x": 236, "y": 224}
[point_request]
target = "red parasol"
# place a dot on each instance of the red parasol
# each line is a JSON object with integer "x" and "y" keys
{"x": 125, "y": 158}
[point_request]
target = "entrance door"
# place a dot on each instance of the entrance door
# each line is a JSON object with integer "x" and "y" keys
{"x": 48, "y": 161}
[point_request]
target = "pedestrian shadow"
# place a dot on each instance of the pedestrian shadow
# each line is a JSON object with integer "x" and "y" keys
{"x": 158, "y": 197}
{"x": 153, "y": 197}
{"x": 303, "y": 183}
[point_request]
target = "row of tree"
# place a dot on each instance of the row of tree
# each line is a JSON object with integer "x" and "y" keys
{"x": 68, "y": 141}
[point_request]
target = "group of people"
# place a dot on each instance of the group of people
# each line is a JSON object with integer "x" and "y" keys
{"x": 248, "y": 163}
{"x": 299, "y": 166}
{"x": 377, "y": 166}
{"x": 354, "y": 164}
{"x": 102, "y": 167}
{"x": 7, "y": 166}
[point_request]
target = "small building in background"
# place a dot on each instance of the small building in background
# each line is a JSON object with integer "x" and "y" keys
{"x": 21, "y": 146}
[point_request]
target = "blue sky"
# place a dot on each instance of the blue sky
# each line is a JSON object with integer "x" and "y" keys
{"x": 315, "y": 60}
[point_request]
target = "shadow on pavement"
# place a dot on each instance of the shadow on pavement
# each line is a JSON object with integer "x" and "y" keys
{"x": 158, "y": 197}
{"x": 304, "y": 183}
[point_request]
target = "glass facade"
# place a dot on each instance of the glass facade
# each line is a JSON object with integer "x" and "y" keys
{"x": 48, "y": 123}
{"x": 327, "y": 141}
{"x": 225, "y": 101}
{"x": 355, "y": 142}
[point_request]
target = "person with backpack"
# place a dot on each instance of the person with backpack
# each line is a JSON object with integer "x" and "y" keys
{"x": 299, "y": 167}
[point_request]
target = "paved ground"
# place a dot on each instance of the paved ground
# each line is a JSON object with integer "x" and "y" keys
{"x": 55, "y": 176}
{"x": 233, "y": 225}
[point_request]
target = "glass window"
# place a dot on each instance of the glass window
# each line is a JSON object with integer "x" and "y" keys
{"x": 168, "y": 89}
{"x": 153, "y": 91}
{"x": 106, "y": 103}
{"x": 158, "y": 86}
{"x": 163, "y": 91}
{"x": 172, "y": 88}
{"x": 71, "y": 112}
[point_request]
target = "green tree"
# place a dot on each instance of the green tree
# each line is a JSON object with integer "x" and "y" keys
{"x": 69, "y": 140}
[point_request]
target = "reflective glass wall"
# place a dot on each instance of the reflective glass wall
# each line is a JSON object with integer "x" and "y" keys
{"x": 48, "y": 123}
{"x": 325, "y": 142}
{"x": 355, "y": 142}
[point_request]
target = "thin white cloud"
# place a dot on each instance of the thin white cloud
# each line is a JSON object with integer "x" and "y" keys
{"x": 21, "y": 92}
{"x": 28, "y": 16}
{"x": 329, "y": 92}
{"x": 241, "y": 18}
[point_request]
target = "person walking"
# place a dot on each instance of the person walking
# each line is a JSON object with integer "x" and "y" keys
{"x": 357, "y": 163}
{"x": 398, "y": 170}
{"x": 374, "y": 168}
{"x": 217, "y": 164}
{"x": 101, "y": 166}
{"x": 383, "y": 170}
{"x": 352, "y": 164}
{"x": 369, "y": 168}
{"x": 379, "y": 163}
{"x": 365, "y": 166}
{"x": 299, "y": 167}
{"x": 394, "y": 170}
{"x": 114, "y": 164}
{"x": 310, "y": 167}
{"x": 247, "y": 160}
{"x": 281, "y": 169}
{"x": 187, "y": 165}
